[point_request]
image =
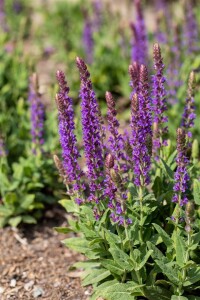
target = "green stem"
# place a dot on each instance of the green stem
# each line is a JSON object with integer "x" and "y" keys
{"x": 124, "y": 276}
{"x": 187, "y": 257}
{"x": 139, "y": 278}
{"x": 141, "y": 215}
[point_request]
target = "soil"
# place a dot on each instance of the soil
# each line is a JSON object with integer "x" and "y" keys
{"x": 34, "y": 264}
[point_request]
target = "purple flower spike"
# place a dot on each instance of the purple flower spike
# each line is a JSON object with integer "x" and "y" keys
{"x": 191, "y": 29}
{"x": 140, "y": 43}
{"x": 189, "y": 112}
{"x": 159, "y": 102}
{"x": 91, "y": 127}
{"x": 37, "y": 114}
{"x": 134, "y": 72}
{"x": 97, "y": 8}
{"x": 111, "y": 189}
{"x": 173, "y": 76}
{"x": 141, "y": 132}
{"x": 135, "y": 53}
{"x": 70, "y": 153}
{"x": 88, "y": 42}
{"x": 160, "y": 35}
{"x": 3, "y": 23}
{"x": 115, "y": 139}
{"x": 181, "y": 175}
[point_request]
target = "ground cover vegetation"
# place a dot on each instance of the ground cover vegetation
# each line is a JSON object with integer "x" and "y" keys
{"x": 132, "y": 183}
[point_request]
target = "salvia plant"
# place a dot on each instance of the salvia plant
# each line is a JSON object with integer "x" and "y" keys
{"x": 134, "y": 206}
{"x": 27, "y": 172}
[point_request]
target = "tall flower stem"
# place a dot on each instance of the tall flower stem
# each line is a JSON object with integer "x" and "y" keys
{"x": 68, "y": 141}
{"x": 140, "y": 194}
{"x": 159, "y": 104}
{"x": 91, "y": 125}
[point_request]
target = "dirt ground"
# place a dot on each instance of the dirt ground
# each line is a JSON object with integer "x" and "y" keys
{"x": 35, "y": 265}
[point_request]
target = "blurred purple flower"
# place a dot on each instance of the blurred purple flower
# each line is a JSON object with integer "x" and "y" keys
{"x": 191, "y": 37}
{"x": 88, "y": 42}
{"x": 37, "y": 112}
{"x": 140, "y": 40}
{"x": 189, "y": 115}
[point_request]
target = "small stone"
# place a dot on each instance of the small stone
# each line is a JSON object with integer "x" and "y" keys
{"x": 2, "y": 290}
{"x": 38, "y": 291}
{"x": 56, "y": 284}
{"x": 28, "y": 285}
{"x": 87, "y": 293}
{"x": 13, "y": 283}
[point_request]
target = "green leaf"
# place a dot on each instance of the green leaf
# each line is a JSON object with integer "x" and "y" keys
{"x": 73, "y": 223}
{"x": 156, "y": 254}
{"x": 112, "y": 238}
{"x": 87, "y": 264}
{"x": 157, "y": 186}
{"x": 163, "y": 282}
{"x": 156, "y": 293}
{"x": 171, "y": 158}
{"x": 10, "y": 199}
{"x": 168, "y": 271}
{"x": 87, "y": 212}
{"x": 143, "y": 262}
{"x": 118, "y": 291}
{"x": 88, "y": 233}
{"x": 69, "y": 205}
{"x": 63, "y": 229}
{"x": 3, "y": 222}
{"x": 112, "y": 266}
{"x": 27, "y": 201}
{"x": 178, "y": 298}
{"x": 122, "y": 258}
{"x": 104, "y": 217}
{"x": 193, "y": 276}
{"x": 77, "y": 243}
{"x": 196, "y": 237}
{"x": 18, "y": 171}
{"x": 180, "y": 250}
{"x": 167, "y": 169}
{"x": 193, "y": 298}
{"x": 96, "y": 276}
{"x": 29, "y": 219}
{"x": 96, "y": 241}
{"x": 163, "y": 264}
{"x": 15, "y": 221}
{"x": 6, "y": 211}
{"x": 196, "y": 191}
{"x": 98, "y": 289}
{"x": 165, "y": 237}
{"x": 132, "y": 190}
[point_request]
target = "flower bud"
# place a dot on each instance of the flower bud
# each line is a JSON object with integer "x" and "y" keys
{"x": 191, "y": 84}
{"x": 115, "y": 177}
{"x": 109, "y": 161}
{"x": 59, "y": 165}
{"x": 128, "y": 148}
{"x": 149, "y": 144}
{"x": 190, "y": 209}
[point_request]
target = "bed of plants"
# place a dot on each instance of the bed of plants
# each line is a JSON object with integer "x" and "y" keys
{"x": 126, "y": 111}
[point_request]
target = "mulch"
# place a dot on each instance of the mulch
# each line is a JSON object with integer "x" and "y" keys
{"x": 34, "y": 264}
